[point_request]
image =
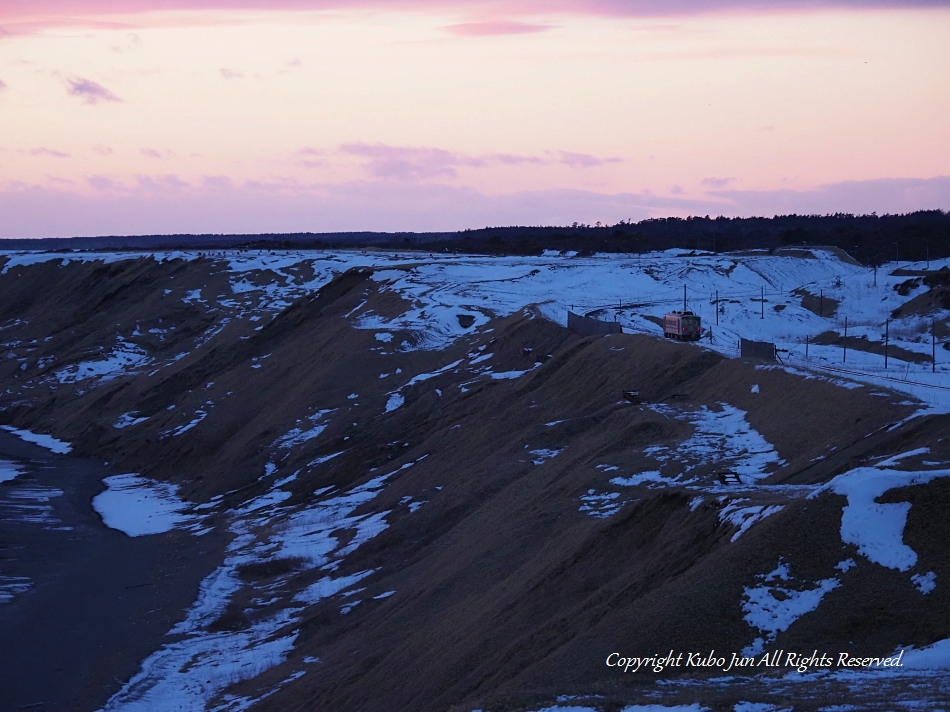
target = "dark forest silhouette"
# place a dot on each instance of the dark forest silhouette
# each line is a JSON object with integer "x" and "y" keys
{"x": 870, "y": 239}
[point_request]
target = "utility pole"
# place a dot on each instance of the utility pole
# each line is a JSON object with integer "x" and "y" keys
{"x": 806, "y": 347}
{"x": 844, "y": 357}
{"x": 933, "y": 348}
{"x": 762, "y": 293}
{"x": 821, "y": 302}
{"x": 684, "y": 297}
{"x": 887, "y": 333}
{"x": 717, "y": 307}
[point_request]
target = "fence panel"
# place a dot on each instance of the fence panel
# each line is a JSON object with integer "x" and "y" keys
{"x": 591, "y": 327}
{"x": 764, "y": 350}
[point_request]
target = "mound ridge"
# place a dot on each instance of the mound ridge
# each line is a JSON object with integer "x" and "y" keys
{"x": 478, "y": 525}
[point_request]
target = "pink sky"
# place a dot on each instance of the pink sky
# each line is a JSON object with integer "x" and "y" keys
{"x": 198, "y": 116}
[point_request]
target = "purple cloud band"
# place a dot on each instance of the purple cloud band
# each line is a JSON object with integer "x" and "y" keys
{"x": 489, "y": 16}
{"x": 414, "y": 164}
{"x": 165, "y": 203}
{"x": 89, "y": 91}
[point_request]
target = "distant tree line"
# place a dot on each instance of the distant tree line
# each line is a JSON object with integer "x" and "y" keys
{"x": 870, "y": 239}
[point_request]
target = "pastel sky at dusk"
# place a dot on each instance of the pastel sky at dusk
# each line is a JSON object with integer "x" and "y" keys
{"x": 214, "y": 116}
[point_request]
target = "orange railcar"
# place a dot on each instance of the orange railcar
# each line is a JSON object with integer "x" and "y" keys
{"x": 682, "y": 325}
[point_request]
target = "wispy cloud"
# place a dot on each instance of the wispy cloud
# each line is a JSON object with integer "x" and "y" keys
{"x": 400, "y": 163}
{"x": 166, "y": 182}
{"x": 884, "y": 195}
{"x": 154, "y": 153}
{"x": 89, "y": 91}
{"x": 231, "y": 73}
{"x": 312, "y": 157}
{"x": 33, "y": 20}
{"x": 103, "y": 183}
{"x": 3, "y": 85}
{"x": 132, "y": 42}
{"x": 584, "y": 160}
{"x": 413, "y": 164}
{"x": 48, "y": 152}
{"x": 217, "y": 182}
{"x": 717, "y": 183}
{"x": 500, "y": 27}
{"x": 510, "y": 159}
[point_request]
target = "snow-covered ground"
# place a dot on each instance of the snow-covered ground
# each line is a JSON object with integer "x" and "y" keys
{"x": 191, "y": 672}
{"x": 617, "y": 287}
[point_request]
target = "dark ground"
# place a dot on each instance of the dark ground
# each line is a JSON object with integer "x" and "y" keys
{"x": 100, "y": 602}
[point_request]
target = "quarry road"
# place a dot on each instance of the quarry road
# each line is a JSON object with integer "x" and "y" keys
{"x": 92, "y": 602}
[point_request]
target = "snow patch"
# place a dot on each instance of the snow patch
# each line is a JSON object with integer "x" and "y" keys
{"x": 723, "y": 437}
{"x": 877, "y": 528}
{"x": 541, "y": 455}
{"x": 199, "y": 416}
{"x": 773, "y": 608}
{"x": 124, "y": 358}
{"x": 925, "y": 583}
{"x": 302, "y": 434}
{"x": 639, "y": 478}
{"x": 601, "y": 504}
{"x": 744, "y": 517}
{"x": 127, "y": 419}
{"x": 60, "y": 447}
{"x": 138, "y": 506}
{"x": 395, "y": 401}
{"x": 933, "y": 657}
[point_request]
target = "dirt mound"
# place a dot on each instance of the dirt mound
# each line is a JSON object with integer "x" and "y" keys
{"x": 532, "y": 521}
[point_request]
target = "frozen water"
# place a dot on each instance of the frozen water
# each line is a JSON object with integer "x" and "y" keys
{"x": 9, "y": 470}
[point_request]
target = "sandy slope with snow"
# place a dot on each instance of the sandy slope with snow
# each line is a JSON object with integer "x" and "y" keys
{"x": 436, "y": 497}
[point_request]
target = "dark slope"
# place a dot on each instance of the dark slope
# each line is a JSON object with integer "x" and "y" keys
{"x": 506, "y": 589}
